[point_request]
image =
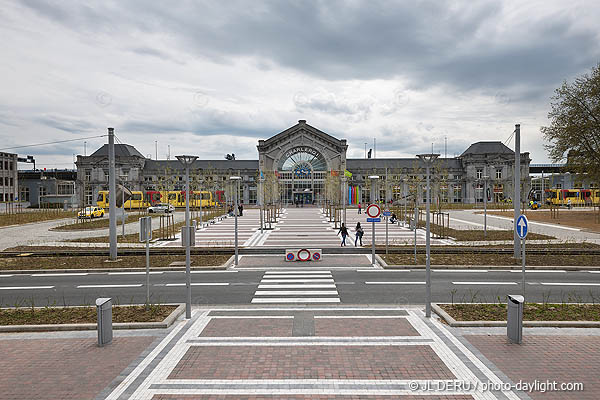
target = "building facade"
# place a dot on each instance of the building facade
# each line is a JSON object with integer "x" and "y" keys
{"x": 304, "y": 164}
{"x": 48, "y": 188}
{"x": 8, "y": 178}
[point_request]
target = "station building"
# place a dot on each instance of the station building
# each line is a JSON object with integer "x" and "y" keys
{"x": 306, "y": 163}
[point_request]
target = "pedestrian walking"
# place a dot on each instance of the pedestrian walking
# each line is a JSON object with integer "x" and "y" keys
{"x": 359, "y": 234}
{"x": 241, "y": 210}
{"x": 344, "y": 232}
{"x": 359, "y": 208}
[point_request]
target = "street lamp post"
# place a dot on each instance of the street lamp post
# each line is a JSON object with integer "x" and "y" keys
{"x": 374, "y": 191}
{"x": 187, "y": 161}
{"x": 237, "y": 179}
{"x": 123, "y": 178}
{"x": 428, "y": 160}
{"x": 345, "y": 193}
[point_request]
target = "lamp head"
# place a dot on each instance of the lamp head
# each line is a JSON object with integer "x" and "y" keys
{"x": 373, "y": 176}
{"x": 235, "y": 178}
{"x": 428, "y": 158}
{"x": 186, "y": 160}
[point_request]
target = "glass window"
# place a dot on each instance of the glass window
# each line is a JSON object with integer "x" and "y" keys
{"x": 479, "y": 173}
{"x": 499, "y": 174}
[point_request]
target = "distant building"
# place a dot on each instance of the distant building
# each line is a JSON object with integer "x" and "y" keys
{"x": 48, "y": 188}
{"x": 8, "y": 178}
{"x": 305, "y": 161}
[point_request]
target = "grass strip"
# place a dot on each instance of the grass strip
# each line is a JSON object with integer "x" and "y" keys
{"x": 92, "y": 262}
{"x": 531, "y": 312}
{"x": 82, "y": 315}
{"x": 34, "y": 216}
{"x": 494, "y": 259}
{"x": 99, "y": 223}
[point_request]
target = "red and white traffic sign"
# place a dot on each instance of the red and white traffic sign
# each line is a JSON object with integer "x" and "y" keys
{"x": 373, "y": 211}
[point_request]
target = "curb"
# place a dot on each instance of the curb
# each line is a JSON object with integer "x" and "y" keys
{"x": 380, "y": 261}
{"x": 228, "y": 264}
{"x": 498, "y": 267}
{"x": 530, "y": 324}
{"x": 105, "y": 270}
{"x": 167, "y": 322}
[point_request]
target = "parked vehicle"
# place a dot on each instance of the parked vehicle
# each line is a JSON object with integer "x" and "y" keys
{"x": 91, "y": 212}
{"x": 161, "y": 208}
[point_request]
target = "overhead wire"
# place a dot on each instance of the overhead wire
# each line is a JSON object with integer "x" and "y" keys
{"x": 49, "y": 143}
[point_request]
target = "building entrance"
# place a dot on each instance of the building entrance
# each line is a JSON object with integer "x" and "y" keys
{"x": 304, "y": 197}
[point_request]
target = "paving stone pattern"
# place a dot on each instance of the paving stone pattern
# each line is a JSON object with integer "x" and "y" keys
{"x": 310, "y": 362}
{"x": 301, "y": 397}
{"x": 364, "y": 327}
{"x": 63, "y": 368}
{"x": 249, "y": 327}
{"x": 554, "y": 358}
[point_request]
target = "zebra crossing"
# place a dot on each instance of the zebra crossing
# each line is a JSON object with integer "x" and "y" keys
{"x": 289, "y": 286}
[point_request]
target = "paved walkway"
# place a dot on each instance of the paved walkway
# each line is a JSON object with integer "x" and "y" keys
{"x": 305, "y": 227}
{"x": 313, "y": 352}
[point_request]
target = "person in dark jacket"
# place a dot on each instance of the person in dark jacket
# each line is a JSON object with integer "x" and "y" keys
{"x": 359, "y": 234}
{"x": 241, "y": 209}
{"x": 344, "y": 231}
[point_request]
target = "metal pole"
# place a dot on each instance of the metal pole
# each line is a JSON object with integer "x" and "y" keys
{"x": 188, "y": 275}
{"x": 147, "y": 271}
{"x": 123, "y": 213}
{"x": 261, "y": 198}
{"x": 235, "y": 213}
{"x": 542, "y": 194}
{"x": 427, "y": 260}
{"x": 415, "y": 231}
{"x": 523, "y": 264}
{"x": 404, "y": 189}
{"x": 345, "y": 189}
{"x": 485, "y": 206}
{"x": 386, "y": 234}
{"x": 517, "y": 194}
{"x": 112, "y": 200}
{"x": 373, "y": 191}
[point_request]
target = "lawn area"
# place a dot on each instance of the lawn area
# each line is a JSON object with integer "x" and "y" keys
{"x": 82, "y": 315}
{"x": 493, "y": 259}
{"x": 34, "y": 216}
{"x": 96, "y": 223}
{"x": 589, "y": 220}
{"x": 531, "y": 312}
{"x": 91, "y": 262}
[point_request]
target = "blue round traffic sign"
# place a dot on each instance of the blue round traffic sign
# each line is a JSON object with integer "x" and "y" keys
{"x": 522, "y": 226}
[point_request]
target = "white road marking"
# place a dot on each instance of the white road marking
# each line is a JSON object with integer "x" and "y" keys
{"x": 25, "y": 287}
{"x": 395, "y": 283}
{"x": 8, "y": 276}
{"x": 569, "y": 284}
{"x": 324, "y": 276}
{"x": 297, "y": 280}
{"x": 382, "y": 270}
{"x": 296, "y": 272}
{"x": 295, "y": 292}
{"x": 200, "y": 284}
{"x": 65, "y": 274}
{"x": 484, "y": 283}
{"x": 296, "y": 300}
{"x": 460, "y": 270}
{"x": 591, "y": 272}
{"x": 538, "y": 271}
{"x": 107, "y": 286}
{"x": 309, "y": 286}
{"x": 136, "y": 273}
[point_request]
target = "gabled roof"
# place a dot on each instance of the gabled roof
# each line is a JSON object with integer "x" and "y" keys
{"x": 487, "y": 148}
{"x": 121, "y": 150}
{"x": 301, "y": 125}
{"x": 218, "y": 165}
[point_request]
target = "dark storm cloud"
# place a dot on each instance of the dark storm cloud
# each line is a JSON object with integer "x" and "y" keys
{"x": 428, "y": 42}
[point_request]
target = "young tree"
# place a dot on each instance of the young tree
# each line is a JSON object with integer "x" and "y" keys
{"x": 574, "y": 130}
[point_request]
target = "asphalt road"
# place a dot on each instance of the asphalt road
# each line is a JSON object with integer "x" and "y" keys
{"x": 349, "y": 286}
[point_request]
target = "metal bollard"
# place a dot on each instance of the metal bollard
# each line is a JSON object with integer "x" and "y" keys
{"x": 104, "y": 310}
{"x": 514, "y": 318}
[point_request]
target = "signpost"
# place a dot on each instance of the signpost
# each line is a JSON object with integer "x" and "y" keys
{"x": 386, "y": 214}
{"x": 146, "y": 236}
{"x": 373, "y": 211}
{"x": 522, "y": 227}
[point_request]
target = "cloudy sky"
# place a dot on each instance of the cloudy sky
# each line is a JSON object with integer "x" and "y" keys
{"x": 212, "y": 77}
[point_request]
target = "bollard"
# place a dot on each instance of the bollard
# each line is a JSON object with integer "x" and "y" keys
{"x": 104, "y": 310}
{"x": 514, "y": 318}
